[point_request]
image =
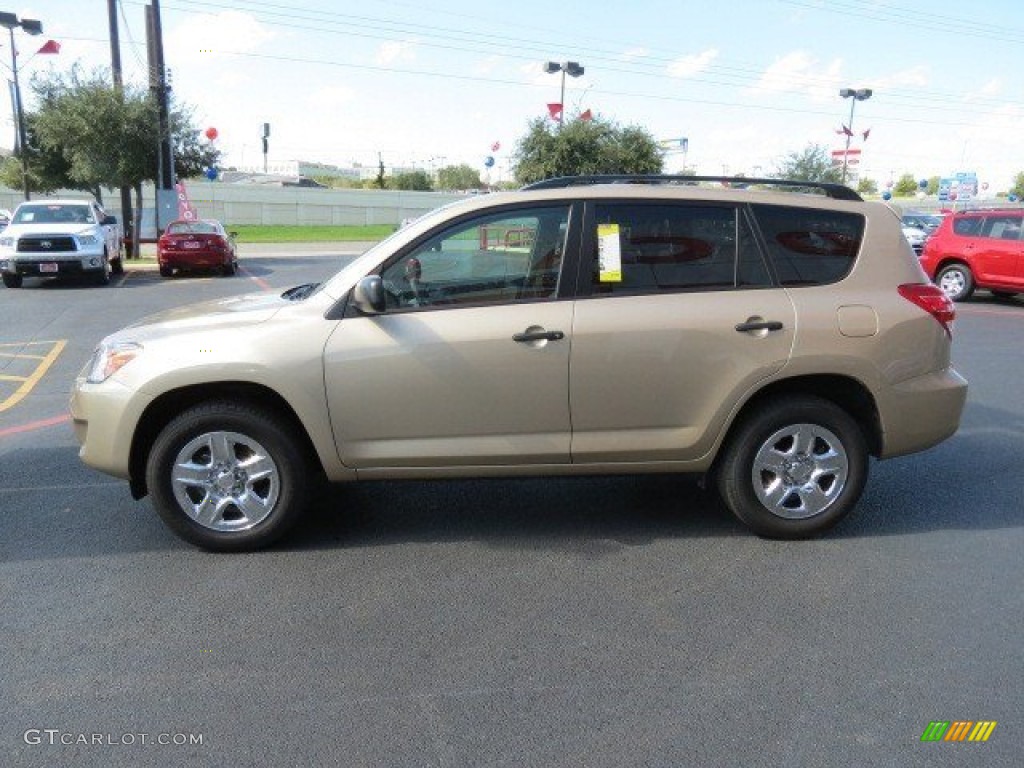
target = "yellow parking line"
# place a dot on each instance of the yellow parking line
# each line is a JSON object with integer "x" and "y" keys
{"x": 4, "y": 377}
{"x": 24, "y": 357}
{"x": 40, "y": 371}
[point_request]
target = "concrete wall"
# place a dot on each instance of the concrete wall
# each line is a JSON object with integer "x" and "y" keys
{"x": 290, "y": 206}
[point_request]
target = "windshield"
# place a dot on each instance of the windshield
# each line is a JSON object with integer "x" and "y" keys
{"x": 54, "y": 213}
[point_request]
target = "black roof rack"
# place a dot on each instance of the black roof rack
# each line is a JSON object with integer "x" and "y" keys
{"x": 835, "y": 191}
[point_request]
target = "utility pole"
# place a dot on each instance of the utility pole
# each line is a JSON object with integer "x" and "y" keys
{"x": 158, "y": 84}
{"x": 115, "y": 68}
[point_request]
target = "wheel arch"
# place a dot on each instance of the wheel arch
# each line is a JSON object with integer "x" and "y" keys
{"x": 846, "y": 392}
{"x": 163, "y": 409}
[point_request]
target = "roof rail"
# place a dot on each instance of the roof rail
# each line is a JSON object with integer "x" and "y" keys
{"x": 835, "y": 191}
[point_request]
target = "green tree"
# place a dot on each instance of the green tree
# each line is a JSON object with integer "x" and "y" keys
{"x": 933, "y": 186}
{"x": 812, "y": 163}
{"x": 458, "y": 177}
{"x": 584, "y": 147}
{"x": 1018, "y": 186}
{"x": 906, "y": 186}
{"x": 413, "y": 180}
{"x": 47, "y": 168}
{"x": 867, "y": 186}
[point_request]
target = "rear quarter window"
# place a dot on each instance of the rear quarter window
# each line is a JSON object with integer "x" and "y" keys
{"x": 807, "y": 246}
{"x": 969, "y": 226}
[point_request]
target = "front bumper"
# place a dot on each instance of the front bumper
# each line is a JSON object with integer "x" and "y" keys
{"x": 52, "y": 264}
{"x": 104, "y": 417}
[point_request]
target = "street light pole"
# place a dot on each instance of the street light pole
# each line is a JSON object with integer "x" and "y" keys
{"x": 33, "y": 27}
{"x": 860, "y": 94}
{"x": 571, "y": 68}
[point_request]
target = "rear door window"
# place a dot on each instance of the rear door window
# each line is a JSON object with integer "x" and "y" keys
{"x": 664, "y": 248}
{"x": 1003, "y": 227}
{"x": 809, "y": 246}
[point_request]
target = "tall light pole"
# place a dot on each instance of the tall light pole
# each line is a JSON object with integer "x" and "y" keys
{"x": 570, "y": 68}
{"x": 33, "y": 27}
{"x": 860, "y": 94}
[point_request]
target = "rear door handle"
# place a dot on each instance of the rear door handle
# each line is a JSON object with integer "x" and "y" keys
{"x": 763, "y": 325}
{"x": 539, "y": 336}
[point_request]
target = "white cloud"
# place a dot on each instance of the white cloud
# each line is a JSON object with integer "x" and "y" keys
{"x": 332, "y": 96}
{"x": 395, "y": 50}
{"x": 915, "y": 77}
{"x": 992, "y": 87}
{"x": 695, "y": 63}
{"x": 213, "y": 36}
{"x": 798, "y": 72}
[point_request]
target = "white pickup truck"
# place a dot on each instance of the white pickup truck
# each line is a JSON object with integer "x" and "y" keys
{"x": 60, "y": 238}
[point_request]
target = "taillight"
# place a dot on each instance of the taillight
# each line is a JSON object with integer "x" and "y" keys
{"x": 932, "y": 300}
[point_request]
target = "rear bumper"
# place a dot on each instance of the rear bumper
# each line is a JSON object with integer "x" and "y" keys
{"x": 922, "y": 412}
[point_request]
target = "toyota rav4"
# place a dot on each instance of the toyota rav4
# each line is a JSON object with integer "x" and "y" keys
{"x": 771, "y": 341}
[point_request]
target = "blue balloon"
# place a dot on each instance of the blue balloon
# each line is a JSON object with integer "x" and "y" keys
{"x": 923, "y": 184}
{"x": 489, "y": 161}
{"x": 212, "y": 173}
{"x": 1012, "y": 198}
{"x": 887, "y": 195}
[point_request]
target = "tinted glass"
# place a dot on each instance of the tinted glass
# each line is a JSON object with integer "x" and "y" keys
{"x": 1004, "y": 227}
{"x": 808, "y": 246}
{"x": 50, "y": 213}
{"x": 967, "y": 226}
{"x": 493, "y": 259}
{"x": 663, "y": 248}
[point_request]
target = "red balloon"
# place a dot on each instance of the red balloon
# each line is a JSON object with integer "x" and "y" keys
{"x": 212, "y": 133}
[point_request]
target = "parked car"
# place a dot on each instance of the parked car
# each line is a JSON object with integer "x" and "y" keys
{"x": 190, "y": 245}
{"x": 5, "y": 218}
{"x": 977, "y": 249}
{"x": 915, "y": 237}
{"x": 769, "y": 341}
{"x": 928, "y": 222}
{"x": 60, "y": 238}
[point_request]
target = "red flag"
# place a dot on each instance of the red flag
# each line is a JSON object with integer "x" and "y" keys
{"x": 495, "y": 146}
{"x": 554, "y": 111}
{"x": 588, "y": 115}
{"x": 186, "y": 211}
{"x": 50, "y": 46}
{"x": 866, "y": 134}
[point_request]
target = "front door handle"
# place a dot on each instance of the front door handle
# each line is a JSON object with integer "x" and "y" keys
{"x": 539, "y": 336}
{"x": 762, "y": 325}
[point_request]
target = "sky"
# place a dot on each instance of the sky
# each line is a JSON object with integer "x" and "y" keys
{"x": 429, "y": 83}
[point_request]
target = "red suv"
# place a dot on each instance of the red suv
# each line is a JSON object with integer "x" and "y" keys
{"x": 977, "y": 249}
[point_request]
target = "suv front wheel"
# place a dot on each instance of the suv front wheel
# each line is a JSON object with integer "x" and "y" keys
{"x": 227, "y": 476}
{"x": 794, "y": 468}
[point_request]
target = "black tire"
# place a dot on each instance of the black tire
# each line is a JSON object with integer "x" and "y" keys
{"x": 956, "y": 281}
{"x": 12, "y": 281}
{"x": 229, "y": 269}
{"x": 811, "y": 488}
{"x": 117, "y": 266}
{"x": 103, "y": 276}
{"x": 166, "y": 271}
{"x": 245, "y": 433}
{"x": 1004, "y": 294}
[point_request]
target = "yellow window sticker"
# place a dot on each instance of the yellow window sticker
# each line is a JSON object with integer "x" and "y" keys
{"x": 609, "y": 253}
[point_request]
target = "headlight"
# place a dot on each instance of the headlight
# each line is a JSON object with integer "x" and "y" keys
{"x": 88, "y": 239}
{"x": 6, "y": 242}
{"x": 108, "y": 359}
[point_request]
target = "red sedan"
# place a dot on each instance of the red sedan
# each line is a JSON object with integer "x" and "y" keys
{"x": 196, "y": 245}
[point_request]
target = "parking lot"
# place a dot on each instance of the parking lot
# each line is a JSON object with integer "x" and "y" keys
{"x": 608, "y": 621}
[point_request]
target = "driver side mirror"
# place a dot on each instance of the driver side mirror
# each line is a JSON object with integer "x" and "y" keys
{"x": 368, "y": 296}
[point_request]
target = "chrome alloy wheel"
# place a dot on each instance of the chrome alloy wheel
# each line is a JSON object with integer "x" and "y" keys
{"x": 225, "y": 481}
{"x": 800, "y": 471}
{"x": 952, "y": 282}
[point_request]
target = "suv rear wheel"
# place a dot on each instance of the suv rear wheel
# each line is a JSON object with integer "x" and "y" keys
{"x": 956, "y": 281}
{"x": 794, "y": 468}
{"x": 227, "y": 476}
{"x": 12, "y": 281}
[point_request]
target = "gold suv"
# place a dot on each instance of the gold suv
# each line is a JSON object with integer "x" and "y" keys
{"x": 769, "y": 340}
